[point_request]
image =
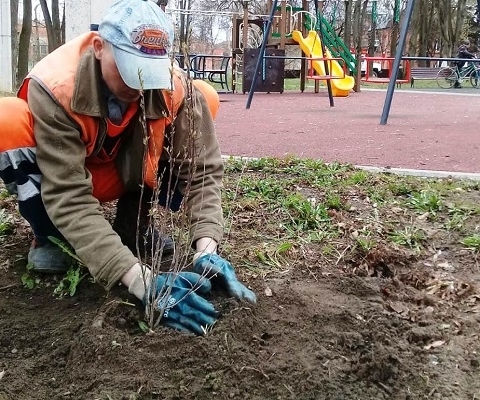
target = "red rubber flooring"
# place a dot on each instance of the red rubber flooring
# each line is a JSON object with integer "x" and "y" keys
{"x": 425, "y": 130}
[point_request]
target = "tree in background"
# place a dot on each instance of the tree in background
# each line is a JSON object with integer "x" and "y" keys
{"x": 185, "y": 23}
{"x": 436, "y": 24}
{"x": 24, "y": 42}
{"x": 471, "y": 27}
{"x": 347, "y": 22}
{"x": 13, "y": 32}
{"x": 55, "y": 27}
{"x": 395, "y": 32}
{"x": 210, "y": 21}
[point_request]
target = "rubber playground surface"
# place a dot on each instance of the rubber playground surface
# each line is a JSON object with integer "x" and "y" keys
{"x": 426, "y": 130}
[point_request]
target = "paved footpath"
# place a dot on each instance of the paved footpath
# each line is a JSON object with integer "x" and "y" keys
{"x": 426, "y": 130}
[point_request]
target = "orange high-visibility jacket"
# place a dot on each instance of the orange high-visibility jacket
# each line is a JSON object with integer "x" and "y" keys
{"x": 60, "y": 84}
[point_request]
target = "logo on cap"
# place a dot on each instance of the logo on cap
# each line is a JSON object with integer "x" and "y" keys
{"x": 150, "y": 39}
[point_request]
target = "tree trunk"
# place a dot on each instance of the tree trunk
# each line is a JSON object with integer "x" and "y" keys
{"x": 451, "y": 23}
{"x": 56, "y": 24}
{"x": 357, "y": 27}
{"x": 423, "y": 33}
{"x": 13, "y": 31}
{"x": 63, "y": 37}
{"x": 461, "y": 11}
{"x": 347, "y": 34}
{"x": 394, "y": 39}
{"x": 373, "y": 31}
{"x": 415, "y": 25}
{"x": 24, "y": 42}
{"x": 185, "y": 25}
{"x": 52, "y": 24}
{"x": 395, "y": 28}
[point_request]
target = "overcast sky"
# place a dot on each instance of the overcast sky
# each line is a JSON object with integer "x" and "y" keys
{"x": 39, "y": 10}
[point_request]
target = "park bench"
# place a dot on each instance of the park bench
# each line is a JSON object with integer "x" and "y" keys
{"x": 422, "y": 73}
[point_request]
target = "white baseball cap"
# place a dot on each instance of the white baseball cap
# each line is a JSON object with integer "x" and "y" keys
{"x": 141, "y": 35}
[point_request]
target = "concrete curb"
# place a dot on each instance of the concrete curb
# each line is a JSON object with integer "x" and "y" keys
{"x": 422, "y": 173}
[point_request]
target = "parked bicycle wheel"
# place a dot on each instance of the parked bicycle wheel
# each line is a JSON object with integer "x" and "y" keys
{"x": 475, "y": 78}
{"x": 446, "y": 77}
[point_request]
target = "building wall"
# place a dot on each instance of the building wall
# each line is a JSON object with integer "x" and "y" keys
{"x": 6, "y": 78}
{"x": 79, "y": 14}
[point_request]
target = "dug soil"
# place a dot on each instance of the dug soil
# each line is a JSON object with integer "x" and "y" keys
{"x": 388, "y": 323}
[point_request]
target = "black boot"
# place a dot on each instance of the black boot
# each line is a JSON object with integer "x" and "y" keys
{"x": 125, "y": 224}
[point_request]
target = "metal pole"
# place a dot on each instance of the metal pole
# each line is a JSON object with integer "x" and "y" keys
{"x": 396, "y": 62}
{"x": 319, "y": 14}
{"x": 260, "y": 55}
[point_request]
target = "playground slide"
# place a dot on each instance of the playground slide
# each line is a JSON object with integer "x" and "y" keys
{"x": 312, "y": 47}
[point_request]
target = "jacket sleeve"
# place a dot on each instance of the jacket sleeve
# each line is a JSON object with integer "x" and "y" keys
{"x": 194, "y": 128}
{"x": 66, "y": 190}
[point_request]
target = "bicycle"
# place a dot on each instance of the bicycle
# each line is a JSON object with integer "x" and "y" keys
{"x": 447, "y": 76}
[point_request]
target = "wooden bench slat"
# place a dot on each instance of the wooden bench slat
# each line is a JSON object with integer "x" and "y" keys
{"x": 423, "y": 73}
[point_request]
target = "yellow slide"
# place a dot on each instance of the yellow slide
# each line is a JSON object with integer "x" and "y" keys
{"x": 312, "y": 47}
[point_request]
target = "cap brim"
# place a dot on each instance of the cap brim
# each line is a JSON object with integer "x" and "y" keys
{"x": 143, "y": 72}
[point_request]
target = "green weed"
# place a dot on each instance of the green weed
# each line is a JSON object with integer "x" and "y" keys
{"x": 472, "y": 242}
{"x": 365, "y": 243}
{"x": 276, "y": 258}
{"x": 357, "y": 178}
{"x": 328, "y": 249}
{"x": 69, "y": 283}
{"x": 143, "y": 326}
{"x": 67, "y": 249}
{"x": 305, "y": 214}
{"x": 426, "y": 202}
{"x": 29, "y": 280}
{"x": 410, "y": 236}
{"x": 268, "y": 189}
{"x": 6, "y": 223}
{"x": 3, "y": 194}
{"x": 457, "y": 218}
{"x": 399, "y": 187}
{"x": 334, "y": 202}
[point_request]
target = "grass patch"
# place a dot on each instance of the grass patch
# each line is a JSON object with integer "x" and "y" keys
{"x": 282, "y": 211}
{"x": 293, "y": 84}
{"x": 6, "y": 223}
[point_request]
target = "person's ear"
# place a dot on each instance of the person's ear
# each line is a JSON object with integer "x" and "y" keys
{"x": 98, "y": 47}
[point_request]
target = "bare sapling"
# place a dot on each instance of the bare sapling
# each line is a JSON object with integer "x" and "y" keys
{"x": 176, "y": 172}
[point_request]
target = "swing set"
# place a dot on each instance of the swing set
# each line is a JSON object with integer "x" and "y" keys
{"x": 250, "y": 33}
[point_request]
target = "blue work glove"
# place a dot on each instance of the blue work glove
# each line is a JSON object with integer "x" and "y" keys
{"x": 184, "y": 309}
{"x": 214, "y": 266}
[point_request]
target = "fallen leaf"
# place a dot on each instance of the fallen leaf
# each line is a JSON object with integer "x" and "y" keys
{"x": 2, "y": 374}
{"x": 446, "y": 266}
{"x": 399, "y": 308}
{"x": 435, "y": 344}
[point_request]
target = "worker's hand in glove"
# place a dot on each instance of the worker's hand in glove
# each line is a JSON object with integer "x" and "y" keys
{"x": 177, "y": 296}
{"x": 221, "y": 271}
